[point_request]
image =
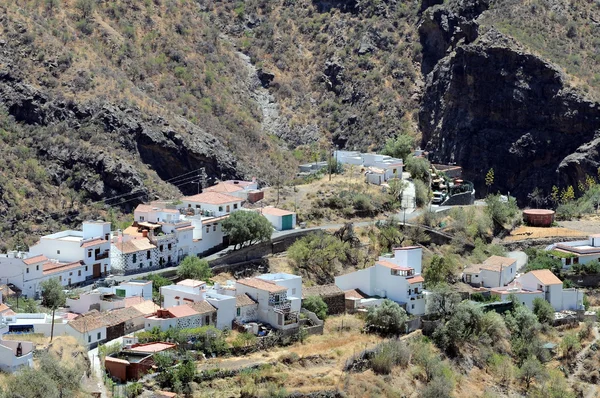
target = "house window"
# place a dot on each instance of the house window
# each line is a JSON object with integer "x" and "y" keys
{"x": 150, "y": 264}
{"x": 148, "y": 255}
{"x": 99, "y": 334}
{"x": 89, "y": 339}
{"x": 294, "y": 291}
{"x": 168, "y": 246}
{"x": 141, "y": 218}
{"x": 86, "y": 268}
{"x": 228, "y": 209}
{"x": 276, "y": 298}
{"x": 214, "y": 227}
{"x": 207, "y": 320}
{"x": 79, "y": 273}
{"x": 58, "y": 252}
{"x": 27, "y": 270}
{"x": 60, "y": 278}
{"x": 89, "y": 253}
{"x": 135, "y": 257}
{"x": 235, "y": 205}
{"x": 141, "y": 265}
{"x": 239, "y": 311}
{"x": 207, "y": 229}
{"x": 37, "y": 267}
{"x": 70, "y": 274}
{"x": 416, "y": 290}
{"x": 412, "y": 307}
{"x": 161, "y": 248}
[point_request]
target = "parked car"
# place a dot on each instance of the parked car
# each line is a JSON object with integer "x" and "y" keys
{"x": 438, "y": 198}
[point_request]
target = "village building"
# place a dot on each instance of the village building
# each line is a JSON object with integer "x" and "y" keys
{"x": 14, "y": 354}
{"x": 127, "y": 294}
{"x": 183, "y": 316}
{"x": 577, "y": 252}
{"x": 213, "y": 204}
{"x": 496, "y": 271}
{"x": 378, "y": 168}
{"x": 396, "y": 277}
{"x": 136, "y": 361}
{"x": 282, "y": 220}
{"x": 541, "y": 284}
{"x": 245, "y": 190}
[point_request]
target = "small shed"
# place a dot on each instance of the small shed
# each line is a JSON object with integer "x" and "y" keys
{"x": 281, "y": 220}
{"x": 538, "y": 217}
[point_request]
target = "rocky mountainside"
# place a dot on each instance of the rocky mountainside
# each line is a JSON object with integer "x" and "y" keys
{"x": 490, "y": 103}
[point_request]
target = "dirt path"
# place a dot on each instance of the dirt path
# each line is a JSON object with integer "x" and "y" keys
{"x": 592, "y": 390}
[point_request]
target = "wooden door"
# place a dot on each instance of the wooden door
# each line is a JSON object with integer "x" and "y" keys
{"x": 97, "y": 270}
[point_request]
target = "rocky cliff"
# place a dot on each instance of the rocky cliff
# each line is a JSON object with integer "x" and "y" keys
{"x": 489, "y": 103}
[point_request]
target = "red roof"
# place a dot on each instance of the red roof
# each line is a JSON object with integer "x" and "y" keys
{"x": 416, "y": 279}
{"x": 212, "y": 198}
{"x": 36, "y": 259}
{"x": 181, "y": 311}
{"x": 223, "y": 187}
{"x": 93, "y": 242}
{"x": 262, "y": 284}
{"x": 50, "y": 267}
{"x": 391, "y": 265}
{"x": 152, "y": 347}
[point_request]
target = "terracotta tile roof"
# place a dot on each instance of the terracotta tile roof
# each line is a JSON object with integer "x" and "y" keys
{"x": 244, "y": 300}
{"x": 472, "y": 269}
{"x": 144, "y": 208}
{"x": 212, "y": 198}
{"x": 322, "y": 291}
{"x": 494, "y": 263}
{"x": 131, "y": 301}
{"x": 181, "y": 311}
{"x": 202, "y": 307}
{"x": 186, "y": 228}
{"x": 115, "y": 317}
{"x": 546, "y": 277}
{"x": 223, "y": 187}
{"x": 3, "y": 307}
{"x": 51, "y": 268}
{"x": 191, "y": 283}
{"x": 36, "y": 259}
{"x": 273, "y": 211}
{"x": 416, "y": 279}
{"x": 135, "y": 245}
{"x": 9, "y": 313}
{"x": 261, "y": 284}
{"x": 152, "y": 347}
{"x": 93, "y": 242}
{"x": 87, "y": 322}
{"x": 147, "y": 307}
{"x": 355, "y": 294}
{"x": 214, "y": 219}
{"x": 391, "y": 265}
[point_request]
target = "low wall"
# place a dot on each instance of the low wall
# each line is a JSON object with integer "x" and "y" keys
{"x": 44, "y": 328}
{"x": 414, "y": 324}
{"x": 461, "y": 199}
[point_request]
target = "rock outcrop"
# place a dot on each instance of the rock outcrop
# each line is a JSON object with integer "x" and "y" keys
{"x": 488, "y": 103}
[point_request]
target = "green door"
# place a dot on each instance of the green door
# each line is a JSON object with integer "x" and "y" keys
{"x": 286, "y": 222}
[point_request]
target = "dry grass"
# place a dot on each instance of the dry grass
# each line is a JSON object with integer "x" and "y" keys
{"x": 523, "y": 233}
{"x": 36, "y": 338}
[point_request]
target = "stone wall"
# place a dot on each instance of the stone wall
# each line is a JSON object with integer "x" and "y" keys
{"x": 592, "y": 280}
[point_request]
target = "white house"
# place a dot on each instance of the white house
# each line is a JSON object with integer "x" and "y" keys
{"x": 496, "y": 271}
{"x": 15, "y": 354}
{"x": 397, "y": 278}
{"x": 281, "y": 220}
{"x": 91, "y": 246}
{"x": 577, "y": 252}
{"x": 381, "y": 168}
{"x": 274, "y": 306}
{"x": 214, "y": 204}
{"x": 88, "y": 329}
{"x": 190, "y": 315}
{"x": 185, "y": 291}
{"x": 127, "y": 294}
{"x": 543, "y": 284}
{"x": 236, "y": 188}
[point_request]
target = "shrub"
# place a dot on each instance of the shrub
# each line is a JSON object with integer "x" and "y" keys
{"x": 194, "y": 268}
{"x": 421, "y": 193}
{"x": 317, "y": 305}
{"x": 389, "y": 354}
{"x": 388, "y": 318}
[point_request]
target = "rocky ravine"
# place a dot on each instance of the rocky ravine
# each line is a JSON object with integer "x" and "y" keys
{"x": 488, "y": 103}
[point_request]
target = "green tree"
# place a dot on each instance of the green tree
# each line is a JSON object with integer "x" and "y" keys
{"x": 419, "y": 169}
{"x": 439, "y": 270}
{"x": 442, "y": 300}
{"x": 388, "y": 235}
{"x": 501, "y": 212}
{"x": 247, "y": 227}
{"x": 399, "y": 147}
{"x": 319, "y": 255}
{"x": 158, "y": 281}
{"x": 543, "y": 310}
{"x": 386, "y": 319}
{"x": 397, "y": 187}
{"x": 464, "y": 324}
{"x": 489, "y": 178}
{"x": 502, "y": 368}
{"x": 532, "y": 369}
{"x": 421, "y": 193}
{"x": 317, "y": 305}
{"x": 52, "y": 297}
{"x": 570, "y": 345}
{"x": 85, "y": 8}
{"x": 193, "y": 267}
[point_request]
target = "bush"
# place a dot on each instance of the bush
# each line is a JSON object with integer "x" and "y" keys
{"x": 543, "y": 310}
{"x": 194, "y": 268}
{"x": 418, "y": 169}
{"x": 421, "y": 193}
{"x": 389, "y": 354}
{"x": 389, "y": 318}
{"x": 317, "y": 305}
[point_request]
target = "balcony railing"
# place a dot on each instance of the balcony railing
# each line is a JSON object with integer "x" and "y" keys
{"x": 102, "y": 255}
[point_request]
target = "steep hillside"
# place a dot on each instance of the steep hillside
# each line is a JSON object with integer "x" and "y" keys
{"x": 489, "y": 102}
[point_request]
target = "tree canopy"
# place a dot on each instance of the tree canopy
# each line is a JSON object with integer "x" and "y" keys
{"x": 388, "y": 318}
{"x": 399, "y": 147}
{"x": 247, "y": 227}
{"x": 193, "y": 267}
{"x": 320, "y": 255}
{"x": 317, "y": 305}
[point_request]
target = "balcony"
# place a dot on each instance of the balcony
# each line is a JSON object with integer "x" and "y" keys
{"x": 102, "y": 255}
